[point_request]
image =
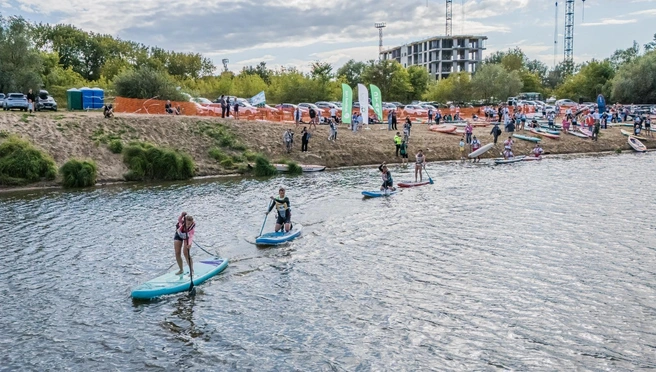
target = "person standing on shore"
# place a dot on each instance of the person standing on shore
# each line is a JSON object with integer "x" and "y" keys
{"x": 236, "y": 115}
{"x": 288, "y": 139}
{"x": 228, "y": 107}
{"x": 507, "y": 148}
{"x": 496, "y": 132}
{"x": 297, "y": 115}
{"x": 184, "y": 235}
{"x": 394, "y": 120}
{"x": 461, "y": 146}
{"x": 30, "y": 100}
{"x": 565, "y": 124}
{"x": 305, "y": 138}
{"x": 333, "y": 113}
{"x": 333, "y": 131}
{"x": 469, "y": 129}
{"x": 476, "y": 144}
{"x": 595, "y": 130}
{"x": 648, "y": 127}
{"x": 222, "y": 101}
{"x": 438, "y": 116}
{"x": 397, "y": 142}
{"x": 389, "y": 120}
{"x": 430, "y": 115}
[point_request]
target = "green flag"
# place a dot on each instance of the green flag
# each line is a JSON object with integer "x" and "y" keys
{"x": 347, "y": 103}
{"x": 376, "y": 101}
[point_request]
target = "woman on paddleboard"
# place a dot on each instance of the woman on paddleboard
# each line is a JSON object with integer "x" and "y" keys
{"x": 184, "y": 234}
{"x": 420, "y": 162}
{"x": 283, "y": 208}
{"x": 388, "y": 182}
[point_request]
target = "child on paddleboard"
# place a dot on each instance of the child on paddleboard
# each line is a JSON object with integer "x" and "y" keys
{"x": 388, "y": 182}
{"x": 184, "y": 234}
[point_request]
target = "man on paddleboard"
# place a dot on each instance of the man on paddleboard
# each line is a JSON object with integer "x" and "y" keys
{"x": 388, "y": 182}
{"x": 184, "y": 233}
{"x": 420, "y": 162}
{"x": 283, "y": 209}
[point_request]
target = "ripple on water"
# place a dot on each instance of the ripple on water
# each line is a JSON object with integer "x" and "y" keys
{"x": 546, "y": 266}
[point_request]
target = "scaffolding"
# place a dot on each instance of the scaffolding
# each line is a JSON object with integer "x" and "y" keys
{"x": 569, "y": 31}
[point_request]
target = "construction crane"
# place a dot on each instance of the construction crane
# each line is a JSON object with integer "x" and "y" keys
{"x": 569, "y": 30}
{"x": 449, "y": 17}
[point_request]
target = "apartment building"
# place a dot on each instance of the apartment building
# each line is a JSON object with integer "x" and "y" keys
{"x": 440, "y": 55}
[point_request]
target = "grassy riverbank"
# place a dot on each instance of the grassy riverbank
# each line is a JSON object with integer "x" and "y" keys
{"x": 66, "y": 135}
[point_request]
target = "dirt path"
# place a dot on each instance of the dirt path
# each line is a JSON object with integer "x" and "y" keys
{"x": 84, "y": 135}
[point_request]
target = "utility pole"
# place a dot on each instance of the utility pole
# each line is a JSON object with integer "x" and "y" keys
{"x": 380, "y": 26}
{"x": 569, "y": 31}
{"x": 556, "y": 36}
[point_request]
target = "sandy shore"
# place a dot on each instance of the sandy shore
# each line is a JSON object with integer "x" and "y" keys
{"x": 66, "y": 135}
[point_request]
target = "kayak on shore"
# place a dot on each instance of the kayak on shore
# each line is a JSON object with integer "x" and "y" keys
{"x": 636, "y": 145}
{"x": 629, "y": 134}
{"x": 304, "y": 167}
{"x": 442, "y": 128}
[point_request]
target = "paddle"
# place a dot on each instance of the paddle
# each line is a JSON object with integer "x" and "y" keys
{"x": 192, "y": 288}
{"x": 430, "y": 180}
{"x": 265, "y": 218}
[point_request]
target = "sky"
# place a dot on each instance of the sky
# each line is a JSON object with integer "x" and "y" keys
{"x": 299, "y": 32}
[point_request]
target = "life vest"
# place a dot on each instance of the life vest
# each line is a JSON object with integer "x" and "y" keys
{"x": 281, "y": 208}
{"x": 183, "y": 231}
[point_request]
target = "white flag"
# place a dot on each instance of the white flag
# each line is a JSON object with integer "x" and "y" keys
{"x": 363, "y": 98}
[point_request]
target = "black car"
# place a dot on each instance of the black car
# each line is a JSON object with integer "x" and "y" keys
{"x": 44, "y": 101}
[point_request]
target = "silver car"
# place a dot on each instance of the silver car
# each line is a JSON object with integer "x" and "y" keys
{"x": 15, "y": 101}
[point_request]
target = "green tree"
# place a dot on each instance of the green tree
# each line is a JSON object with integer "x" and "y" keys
{"x": 247, "y": 85}
{"x": 352, "y": 72}
{"x": 457, "y": 87}
{"x": 147, "y": 83}
{"x": 388, "y": 75}
{"x": 651, "y": 45}
{"x": 261, "y": 70}
{"x": 623, "y": 56}
{"x": 636, "y": 82}
{"x": 592, "y": 79}
{"x": 20, "y": 62}
{"x": 494, "y": 81}
{"x": 419, "y": 79}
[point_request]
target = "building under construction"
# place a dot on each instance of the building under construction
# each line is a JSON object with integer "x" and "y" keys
{"x": 440, "y": 55}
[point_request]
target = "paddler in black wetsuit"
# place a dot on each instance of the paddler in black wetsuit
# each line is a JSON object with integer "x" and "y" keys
{"x": 388, "y": 182}
{"x": 283, "y": 208}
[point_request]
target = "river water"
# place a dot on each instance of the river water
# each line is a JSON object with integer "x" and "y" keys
{"x": 531, "y": 266}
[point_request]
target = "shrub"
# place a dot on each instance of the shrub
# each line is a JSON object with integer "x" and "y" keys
{"x": 244, "y": 168}
{"x": 237, "y": 146}
{"x": 238, "y": 159}
{"x": 216, "y": 154}
{"x": 263, "y": 168}
{"x": 76, "y": 173}
{"x": 227, "y": 141}
{"x": 116, "y": 146}
{"x": 250, "y": 155}
{"x": 148, "y": 162}
{"x": 294, "y": 168}
{"x": 21, "y": 163}
{"x": 147, "y": 83}
{"x": 227, "y": 163}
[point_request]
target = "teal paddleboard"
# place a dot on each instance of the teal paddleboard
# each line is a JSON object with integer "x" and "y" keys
{"x": 280, "y": 237}
{"x": 170, "y": 283}
{"x": 376, "y": 194}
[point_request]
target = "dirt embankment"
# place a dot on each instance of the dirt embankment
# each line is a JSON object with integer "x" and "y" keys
{"x": 84, "y": 135}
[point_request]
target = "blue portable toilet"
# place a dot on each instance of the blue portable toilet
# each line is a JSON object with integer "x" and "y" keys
{"x": 98, "y": 98}
{"x": 87, "y": 98}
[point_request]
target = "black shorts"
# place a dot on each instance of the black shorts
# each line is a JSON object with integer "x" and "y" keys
{"x": 287, "y": 219}
{"x": 404, "y": 156}
{"x": 177, "y": 237}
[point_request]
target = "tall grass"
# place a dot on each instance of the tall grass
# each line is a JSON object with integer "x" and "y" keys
{"x": 21, "y": 163}
{"x": 148, "y": 162}
{"x": 294, "y": 168}
{"x": 263, "y": 168}
{"x": 79, "y": 173}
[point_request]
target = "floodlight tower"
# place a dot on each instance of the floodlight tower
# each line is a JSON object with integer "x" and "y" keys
{"x": 225, "y": 64}
{"x": 449, "y": 17}
{"x": 556, "y": 35}
{"x": 380, "y": 26}
{"x": 569, "y": 31}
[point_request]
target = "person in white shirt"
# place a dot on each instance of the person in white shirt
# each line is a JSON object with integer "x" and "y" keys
{"x": 333, "y": 114}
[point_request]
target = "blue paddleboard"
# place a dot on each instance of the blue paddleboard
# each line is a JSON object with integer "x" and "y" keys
{"x": 375, "y": 194}
{"x": 274, "y": 238}
{"x": 170, "y": 283}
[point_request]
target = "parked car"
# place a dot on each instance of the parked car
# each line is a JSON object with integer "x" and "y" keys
{"x": 290, "y": 107}
{"x": 44, "y": 101}
{"x": 415, "y": 110}
{"x": 326, "y": 105}
{"x": 566, "y": 103}
{"x": 307, "y": 106}
{"x": 2, "y": 98}
{"x": 389, "y": 106}
{"x": 15, "y": 101}
{"x": 427, "y": 107}
{"x": 397, "y": 104}
{"x": 201, "y": 100}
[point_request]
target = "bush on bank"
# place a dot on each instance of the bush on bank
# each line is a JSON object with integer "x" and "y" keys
{"x": 263, "y": 167}
{"x": 148, "y": 162}
{"x": 79, "y": 173}
{"x": 22, "y": 163}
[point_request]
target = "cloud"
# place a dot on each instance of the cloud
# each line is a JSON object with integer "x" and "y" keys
{"x": 644, "y": 12}
{"x": 609, "y": 21}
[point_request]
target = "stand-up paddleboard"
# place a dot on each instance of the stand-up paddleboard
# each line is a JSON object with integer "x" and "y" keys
{"x": 544, "y": 134}
{"x": 378, "y": 193}
{"x": 274, "y": 238}
{"x": 170, "y": 283}
{"x": 481, "y": 151}
{"x": 511, "y": 160}
{"x": 577, "y": 134}
{"x": 412, "y": 184}
{"x": 529, "y": 158}
{"x": 637, "y": 145}
{"x": 304, "y": 167}
{"x": 442, "y": 128}
{"x": 629, "y": 134}
{"x": 586, "y": 132}
{"x": 526, "y": 138}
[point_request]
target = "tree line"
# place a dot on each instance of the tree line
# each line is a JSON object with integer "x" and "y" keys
{"x": 59, "y": 57}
